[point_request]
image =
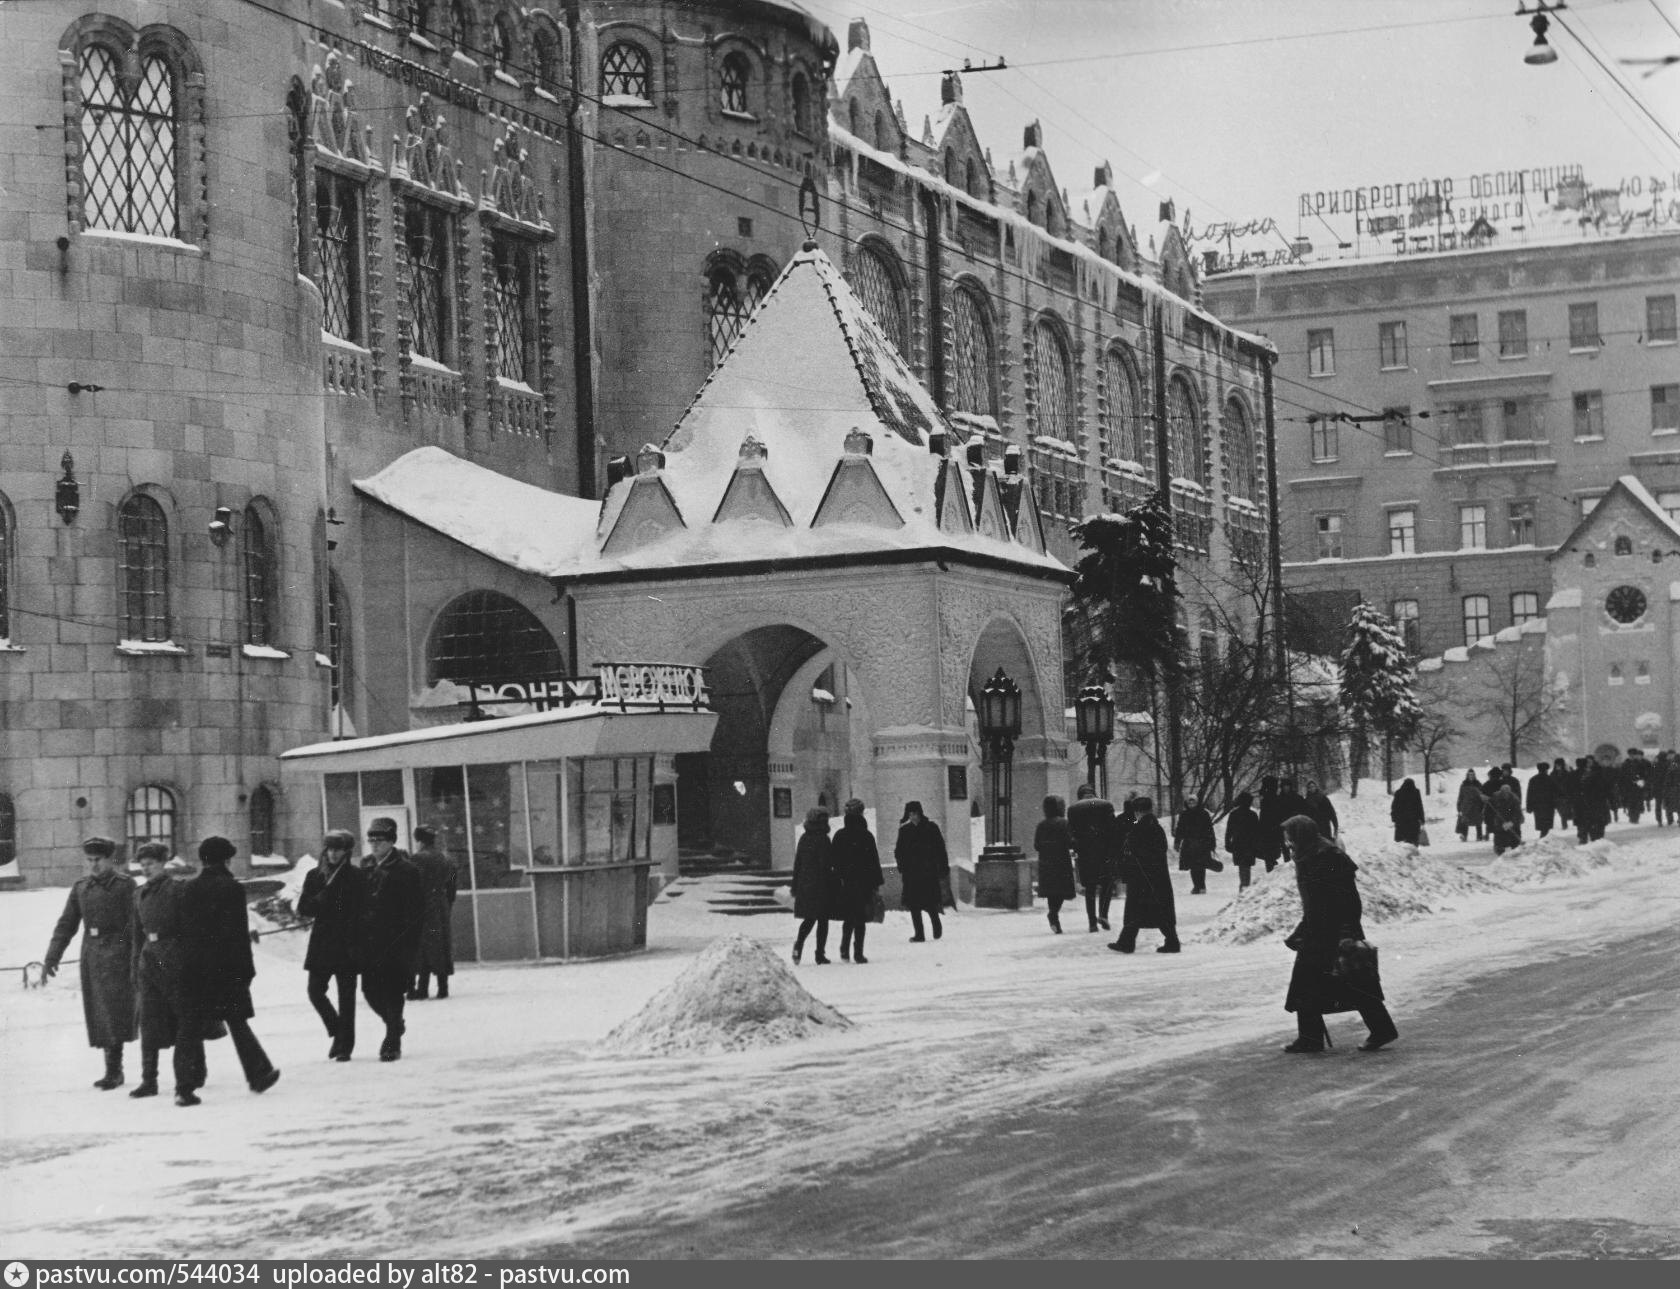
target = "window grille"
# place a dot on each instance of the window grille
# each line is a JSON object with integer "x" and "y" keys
{"x": 484, "y": 637}
{"x": 512, "y": 292}
{"x": 1055, "y": 382}
{"x": 624, "y": 71}
{"x": 874, "y": 282}
{"x": 735, "y": 72}
{"x": 1124, "y": 426}
{"x": 338, "y": 254}
{"x": 128, "y": 146}
{"x": 261, "y": 813}
{"x": 972, "y": 386}
{"x": 1184, "y": 435}
{"x": 428, "y": 294}
{"x": 151, "y": 817}
{"x": 1239, "y": 451}
{"x": 143, "y": 571}
{"x": 728, "y": 308}
{"x": 259, "y": 579}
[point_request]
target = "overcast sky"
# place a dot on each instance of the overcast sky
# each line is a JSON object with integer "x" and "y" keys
{"x": 1236, "y": 107}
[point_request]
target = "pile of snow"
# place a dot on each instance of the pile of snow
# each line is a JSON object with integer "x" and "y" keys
{"x": 737, "y": 994}
{"x": 1396, "y": 883}
{"x": 1550, "y": 858}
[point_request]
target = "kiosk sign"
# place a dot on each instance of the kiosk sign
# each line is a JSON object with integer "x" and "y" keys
{"x": 653, "y": 684}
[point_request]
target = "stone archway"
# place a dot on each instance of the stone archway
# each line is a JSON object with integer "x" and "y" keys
{"x": 1039, "y": 761}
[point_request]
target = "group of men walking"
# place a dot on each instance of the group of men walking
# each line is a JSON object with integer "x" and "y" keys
{"x": 1588, "y": 796}
{"x": 170, "y": 960}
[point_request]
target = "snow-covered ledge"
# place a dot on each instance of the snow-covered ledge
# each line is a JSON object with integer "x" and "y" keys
{"x": 144, "y": 648}
{"x": 6, "y": 646}
{"x": 263, "y": 651}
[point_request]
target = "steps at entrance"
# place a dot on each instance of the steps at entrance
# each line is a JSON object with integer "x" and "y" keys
{"x": 720, "y": 859}
{"x": 737, "y": 893}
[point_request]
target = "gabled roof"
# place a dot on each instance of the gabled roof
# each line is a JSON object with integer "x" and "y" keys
{"x": 1641, "y": 498}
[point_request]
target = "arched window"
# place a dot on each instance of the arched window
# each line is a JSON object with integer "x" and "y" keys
{"x": 971, "y": 179}
{"x": 151, "y": 817}
{"x": 974, "y": 373}
{"x": 6, "y": 543}
{"x": 461, "y": 26}
{"x": 1624, "y": 546}
{"x": 8, "y": 831}
{"x": 875, "y": 280}
{"x": 624, "y": 72}
{"x": 420, "y": 12}
{"x": 801, "y": 105}
{"x": 547, "y": 50}
{"x": 259, "y": 579}
{"x": 260, "y": 810}
{"x": 1052, "y": 218}
{"x": 143, "y": 568}
{"x": 736, "y": 73}
{"x": 1239, "y": 451}
{"x": 502, "y": 43}
{"x": 1184, "y": 434}
{"x": 129, "y": 129}
{"x": 484, "y": 637}
{"x": 1032, "y": 207}
{"x": 730, "y": 301}
{"x": 883, "y": 142}
{"x": 1124, "y": 423}
{"x": 1102, "y": 243}
{"x": 950, "y": 167}
{"x": 339, "y": 686}
{"x": 852, "y": 119}
{"x": 1054, "y": 373}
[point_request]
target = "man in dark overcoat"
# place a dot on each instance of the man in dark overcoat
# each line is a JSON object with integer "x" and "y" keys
{"x": 1542, "y": 798}
{"x": 158, "y": 949}
{"x": 856, "y": 871}
{"x": 333, "y": 894}
{"x": 1096, "y": 852}
{"x": 1321, "y": 808}
{"x": 216, "y": 974}
{"x": 393, "y": 916}
{"x": 1269, "y": 839}
{"x": 923, "y": 864}
{"x": 1149, "y": 892}
{"x": 102, "y": 906}
{"x": 437, "y": 886}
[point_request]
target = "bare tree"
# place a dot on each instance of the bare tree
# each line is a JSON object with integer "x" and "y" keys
{"x": 1511, "y": 693}
{"x": 1437, "y": 729}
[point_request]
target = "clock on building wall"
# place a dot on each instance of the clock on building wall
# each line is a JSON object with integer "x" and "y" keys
{"x": 1625, "y": 604}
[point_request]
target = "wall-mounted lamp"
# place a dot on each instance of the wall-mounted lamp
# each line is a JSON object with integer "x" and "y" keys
{"x": 221, "y": 527}
{"x": 67, "y": 497}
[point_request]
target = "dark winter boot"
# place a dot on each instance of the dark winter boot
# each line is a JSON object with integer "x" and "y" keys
{"x": 443, "y": 987}
{"x": 113, "y": 1069}
{"x": 857, "y": 948}
{"x": 148, "y": 1073}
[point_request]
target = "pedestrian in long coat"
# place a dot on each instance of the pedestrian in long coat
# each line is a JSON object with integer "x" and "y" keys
{"x": 1269, "y": 846}
{"x": 1053, "y": 841}
{"x": 1321, "y": 808}
{"x": 1671, "y": 788}
{"x": 857, "y": 877}
{"x": 159, "y": 950}
{"x": 216, "y": 974}
{"x": 812, "y": 882}
{"x": 1630, "y": 779}
{"x": 334, "y": 893}
{"x": 923, "y": 865}
{"x": 1405, "y": 812}
{"x": 1242, "y": 837}
{"x": 1330, "y": 918}
{"x": 437, "y": 940}
{"x": 1542, "y": 799}
{"x": 1149, "y": 892}
{"x": 1096, "y": 852}
{"x": 1505, "y": 816}
{"x": 1194, "y": 839}
{"x": 1564, "y": 780}
{"x": 1592, "y": 801}
{"x": 1471, "y": 807}
{"x": 101, "y": 906}
{"x": 393, "y": 915}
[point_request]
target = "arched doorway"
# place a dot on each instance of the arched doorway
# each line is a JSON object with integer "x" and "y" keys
{"x": 1037, "y": 768}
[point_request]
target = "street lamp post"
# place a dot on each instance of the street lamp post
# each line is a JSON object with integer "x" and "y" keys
{"x": 1002, "y": 878}
{"x": 1094, "y": 717}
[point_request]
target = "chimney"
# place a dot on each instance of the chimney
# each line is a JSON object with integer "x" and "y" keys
{"x": 617, "y": 468}
{"x": 1012, "y": 459}
{"x": 977, "y": 453}
{"x": 1033, "y": 136}
{"x": 937, "y": 443}
{"x": 1169, "y": 212}
{"x": 857, "y": 35}
{"x": 1104, "y": 177}
{"x": 950, "y": 88}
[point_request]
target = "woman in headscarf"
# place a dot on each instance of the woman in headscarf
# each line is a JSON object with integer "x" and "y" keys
{"x": 1406, "y": 812}
{"x": 812, "y": 880}
{"x": 1194, "y": 839}
{"x": 1335, "y": 970}
{"x": 1471, "y": 807}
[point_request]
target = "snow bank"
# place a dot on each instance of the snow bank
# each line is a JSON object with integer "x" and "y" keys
{"x": 1396, "y": 884}
{"x": 738, "y": 994}
{"x": 1551, "y": 858}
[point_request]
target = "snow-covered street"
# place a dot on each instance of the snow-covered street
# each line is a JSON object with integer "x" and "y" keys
{"x": 505, "y": 1128}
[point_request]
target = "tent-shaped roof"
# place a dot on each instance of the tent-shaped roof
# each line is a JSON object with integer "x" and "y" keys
{"x": 1642, "y": 500}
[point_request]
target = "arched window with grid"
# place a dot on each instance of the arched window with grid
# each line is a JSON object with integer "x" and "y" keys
{"x": 484, "y": 637}
{"x": 737, "y": 72}
{"x": 973, "y": 386}
{"x": 143, "y": 568}
{"x": 624, "y": 72}
{"x": 461, "y": 30}
{"x": 730, "y": 301}
{"x": 514, "y": 291}
{"x": 1053, "y": 372}
{"x": 260, "y": 816}
{"x": 152, "y": 816}
{"x": 258, "y": 551}
{"x": 130, "y": 126}
{"x": 1123, "y": 428}
{"x": 8, "y": 831}
{"x": 1186, "y": 459}
{"x": 1241, "y": 467}
{"x": 875, "y": 279}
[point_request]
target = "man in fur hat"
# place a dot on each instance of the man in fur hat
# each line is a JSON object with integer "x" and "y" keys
{"x": 393, "y": 915}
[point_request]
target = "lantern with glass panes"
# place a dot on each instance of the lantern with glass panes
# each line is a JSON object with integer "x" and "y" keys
{"x": 1093, "y": 712}
{"x": 1000, "y": 726}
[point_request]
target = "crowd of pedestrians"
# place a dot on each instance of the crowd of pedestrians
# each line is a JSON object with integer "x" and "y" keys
{"x": 1587, "y": 796}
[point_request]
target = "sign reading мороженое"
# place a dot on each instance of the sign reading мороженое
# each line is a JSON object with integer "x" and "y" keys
{"x": 653, "y": 684}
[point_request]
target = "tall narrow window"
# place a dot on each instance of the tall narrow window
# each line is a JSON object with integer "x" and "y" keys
{"x": 1478, "y": 619}
{"x": 1326, "y": 437}
{"x": 624, "y": 72}
{"x": 8, "y": 831}
{"x": 1525, "y": 607}
{"x": 502, "y": 43}
{"x": 429, "y": 302}
{"x": 1464, "y": 335}
{"x": 1124, "y": 426}
{"x": 143, "y": 569}
{"x": 5, "y": 571}
{"x": 730, "y": 302}
{"x": 261, "y": 814}
{"x": 1391, "y": 345}
{"x": 1187, "y": 458}
{"x": 1239, "y": 451}
{"x": 1468, "y": 429}
{"x": 547, "y": 50}
{"x": 1665, "y": 409}
{"x": 1583, "y": 327}
{"x": 801, "y": 91}
{"x": 1520, "y": 517}
{"x": 1402, "y": 532}
{"x": 1405, "y": 616}
{"x": 461, "y": 26}
{"x": 1054, "y": 373}
{"x": 1589, "y": 414}
{"x": 259, "y": 579}
{"x": 1321, "y": 352}
{"x": 151, "y": 816}
{"x": 1472, "y": 527}
{"x": 875, "y": 281}
{"x": 1660, "y": 322}
{"x": 736, "y": 73}
{"x": 1397, "y": 429}
{"x": 514, "y": 294}
{"x": 128, "y": 145}
{"x": 338, "y": 649}
{"x": 1513, "y": 333}
{"x": 1329, "y": 530}
{"x": 484, "y": 637}
{"x": 338, "y": 254}
{"x": 974, "y": 383}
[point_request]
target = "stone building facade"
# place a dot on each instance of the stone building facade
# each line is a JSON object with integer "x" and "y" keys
{"x": 1446, "y": 418}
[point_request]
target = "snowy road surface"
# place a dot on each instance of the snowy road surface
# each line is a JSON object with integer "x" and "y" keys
{"x": 506, "y": 1128}
{"x": 1533, "y": 1115}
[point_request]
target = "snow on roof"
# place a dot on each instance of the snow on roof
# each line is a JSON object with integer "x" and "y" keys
{"x": 1641, "y": 497}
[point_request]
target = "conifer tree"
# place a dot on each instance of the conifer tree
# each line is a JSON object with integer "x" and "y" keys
{"x": 1378, "y": 689}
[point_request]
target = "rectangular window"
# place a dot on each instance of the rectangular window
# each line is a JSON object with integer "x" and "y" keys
{"x": 1330, "y": 536}
{"x": 1391, "y": 345}
{"x": 515, "y": 295}
{"x": 338, "y": 255}
{"x": 1397, "y": 429}
{"x": 1478, "y": 620}
{"x": 1660, "y": 320}
{"x": 1513, "y": 333}
{"x": 1472, "y": 528}
{"x": 1468, "y": 430}
{"x": 1583, "y": 326}
{"x": 1521, "y": 517}
{"x": 1405, "y": 616}
{"x": 1321, "y": 352}
{"x": 1465, "y": 335}
{"x": 1402, "y": 532}
{"x": 1518, "y": 417}
{"x": 430, "y": 301}
{"x": 1525, "y": 607}
{"x": 1325, "y": 438}
{"x": 1589, "y": 414}
{"x": 1665, "y": 409}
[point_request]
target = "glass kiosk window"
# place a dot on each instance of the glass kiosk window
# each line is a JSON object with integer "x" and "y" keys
{"x": 609, "y": 811}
